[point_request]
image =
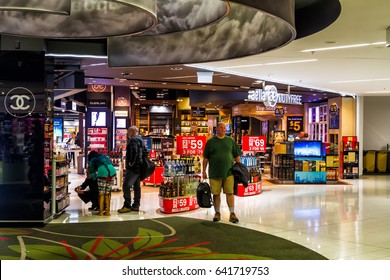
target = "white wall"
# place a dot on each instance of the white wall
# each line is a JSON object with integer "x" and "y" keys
{"x": 376, "y": 124}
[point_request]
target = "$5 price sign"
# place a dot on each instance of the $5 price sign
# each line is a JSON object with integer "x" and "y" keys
{"x": 254, "y": 144}
{"x": 190, "y": 145}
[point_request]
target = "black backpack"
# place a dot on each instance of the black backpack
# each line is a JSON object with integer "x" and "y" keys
{"x": 147, "y": 166}
{"x": 203, "y": 195}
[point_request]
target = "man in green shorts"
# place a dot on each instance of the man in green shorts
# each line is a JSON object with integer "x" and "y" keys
{"x": 220, "y": 153}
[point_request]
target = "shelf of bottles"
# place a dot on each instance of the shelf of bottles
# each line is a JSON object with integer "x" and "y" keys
{"x": 253, "y": 163}
{"x": 283, "y": 168}
{"x": 120, "y": 139}
{"x": 97, "y": 139}
{"x": 350, "y": 157}
{"x": 188, "y": 124}
{"x": 61, "y": 184}
{"x": 181, "y": 178}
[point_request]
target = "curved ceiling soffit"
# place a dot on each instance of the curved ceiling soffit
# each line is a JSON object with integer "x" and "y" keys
{"x": 250, "y": 27}
{"x": 87, "y": 19}
{"x": 312, "y": 16}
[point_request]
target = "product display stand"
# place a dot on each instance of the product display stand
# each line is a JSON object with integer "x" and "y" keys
{"x": 310, "y": 167}
{"x": 350, "y": 157}
{"x": 60, "y": 195}
{"x": 253, "y": 163}
{"x": 283, "y": 168}
{"x": 178, "y": 194}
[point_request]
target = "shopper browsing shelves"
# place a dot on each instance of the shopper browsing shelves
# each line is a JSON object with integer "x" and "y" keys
{"x": 88, "y": 192}
{"x": 102, "y": 170}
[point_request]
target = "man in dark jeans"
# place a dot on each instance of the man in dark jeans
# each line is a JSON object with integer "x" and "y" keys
{"x": 132, "y": 177}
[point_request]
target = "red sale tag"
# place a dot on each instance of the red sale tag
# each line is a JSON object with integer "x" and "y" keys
{"x": 254, "y": 144}
{"x": 190, "y": 145}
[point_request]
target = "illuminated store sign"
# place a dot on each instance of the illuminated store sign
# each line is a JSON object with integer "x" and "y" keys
{"x": 271, "y": 97}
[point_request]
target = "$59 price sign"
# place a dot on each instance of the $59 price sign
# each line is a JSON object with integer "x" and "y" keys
{"x": 190, "y": 145}
{"x": 254, "y": 144}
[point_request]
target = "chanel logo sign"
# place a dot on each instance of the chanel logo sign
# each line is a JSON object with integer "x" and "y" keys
{"x": 19, "y": 102}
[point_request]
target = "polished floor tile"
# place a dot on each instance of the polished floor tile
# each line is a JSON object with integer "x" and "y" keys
{"x": 341, "y": 222}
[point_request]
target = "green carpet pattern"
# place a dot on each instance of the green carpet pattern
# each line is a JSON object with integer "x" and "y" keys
{"x": 171, "y": 238}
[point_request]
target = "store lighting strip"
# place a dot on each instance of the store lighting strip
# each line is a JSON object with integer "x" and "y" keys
{"x": 344, "y": 47}
{"x": 378, "y": 91}
{"x": 360, "y": 81}
{"x": 270, "y": 63}
{"x": 76, "y": 55}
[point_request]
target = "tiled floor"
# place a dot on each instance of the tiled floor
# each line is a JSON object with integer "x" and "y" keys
{"x": 350, "y": 222}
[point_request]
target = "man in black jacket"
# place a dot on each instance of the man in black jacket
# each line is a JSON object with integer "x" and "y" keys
{"x": 132, "y": 177}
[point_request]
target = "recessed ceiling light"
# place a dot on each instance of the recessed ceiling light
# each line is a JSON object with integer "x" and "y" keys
{"x": 344, "y": 47}
{"x": 360, "y": 81}
{"x": 225, "y": 76}
{"x": 176, "y": 68}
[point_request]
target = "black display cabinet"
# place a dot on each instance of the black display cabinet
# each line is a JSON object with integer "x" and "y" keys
{"x": 26, "y": 136}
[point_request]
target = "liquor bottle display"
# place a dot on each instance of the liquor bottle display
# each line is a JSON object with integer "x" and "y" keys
{"x": 178, "y": 190}
{"x": 350, "y": 157}
{"x": 253, "y": 163}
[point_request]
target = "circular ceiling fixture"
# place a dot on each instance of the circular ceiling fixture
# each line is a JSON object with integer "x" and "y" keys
{"x": 61, "y": 7}
{"x": 242, "y": 28}
{"x": 76, "y": 19}
{"x": 170, "y": 32}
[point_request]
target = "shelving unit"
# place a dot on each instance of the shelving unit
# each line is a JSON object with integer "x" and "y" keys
{"x": 160, "y": 123}
{"x": 283, "y": 168}
{"x": 189, "y": 123}
{"x": 120, "y": 139}
{"x": 97, "y": 139}
{"x": 350, "y": 157}
{"x": 332, "y": 167}
{"x": 60, "y": 177}
{"x": 142, "y": 118}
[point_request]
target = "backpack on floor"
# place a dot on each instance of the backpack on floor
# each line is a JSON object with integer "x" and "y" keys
{"x": 203, "y": 195}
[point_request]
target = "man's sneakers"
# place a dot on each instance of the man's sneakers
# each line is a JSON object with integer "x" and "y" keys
{"x": 124, "y": 209}
{"x": 233, "y": 218}
{"x": 217, "y": 217}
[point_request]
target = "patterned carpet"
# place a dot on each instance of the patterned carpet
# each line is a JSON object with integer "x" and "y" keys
{"x": 171, "y": 238}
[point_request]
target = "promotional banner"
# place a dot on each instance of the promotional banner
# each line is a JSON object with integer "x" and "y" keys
{"x": 254, "y": 144}
{"x": 190, "y": 145}
{"x": 294, "y": 124}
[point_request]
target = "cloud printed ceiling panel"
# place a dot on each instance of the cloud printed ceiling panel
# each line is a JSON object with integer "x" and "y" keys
{"x": 246, "y": 30}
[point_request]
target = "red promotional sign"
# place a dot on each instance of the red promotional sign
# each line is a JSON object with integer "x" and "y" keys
{"x": 252, "y": 189}
{"x": 190, "y": 145}
{"x": 178, "y": 204}
{"x": 254, "y": 144}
